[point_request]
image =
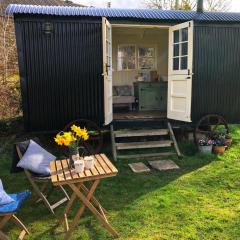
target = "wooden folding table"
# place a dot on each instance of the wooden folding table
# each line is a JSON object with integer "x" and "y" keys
{"x": 62, "y": 174}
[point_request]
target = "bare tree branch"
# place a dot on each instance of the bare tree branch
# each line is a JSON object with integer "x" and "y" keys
{"x": 217, "y": 5}
{"x": 8, "y": 56}
{"x": 209, "y": 5}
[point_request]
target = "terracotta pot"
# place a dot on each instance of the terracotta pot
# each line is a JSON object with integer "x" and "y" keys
{"x": 229, "y": 142}
{"x": 219, "y": 149}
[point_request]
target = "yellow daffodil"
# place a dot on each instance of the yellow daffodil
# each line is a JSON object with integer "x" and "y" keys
{"x": 65, "y": 138}
{"x": 59, "y": 139}
{"x": 85, "y": 134}
{"x": 68, "y": 138}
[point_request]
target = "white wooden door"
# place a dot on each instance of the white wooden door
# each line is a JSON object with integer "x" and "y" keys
{"x": 180, "y": 72}
{"x": 107, "y": 70}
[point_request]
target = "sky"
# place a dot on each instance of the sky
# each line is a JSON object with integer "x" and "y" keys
{"x": 137, "y": 4}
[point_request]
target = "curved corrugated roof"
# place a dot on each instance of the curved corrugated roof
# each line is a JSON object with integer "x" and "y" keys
{"x": 148, "y": 14}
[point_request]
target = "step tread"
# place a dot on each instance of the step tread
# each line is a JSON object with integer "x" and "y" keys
{"x": 139, "y": 145}
{"x": 146, "y": 155}
{"x": 141, "y": 133}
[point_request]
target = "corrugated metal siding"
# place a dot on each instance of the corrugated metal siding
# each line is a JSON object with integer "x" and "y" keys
{"x": 216, "y": 81}
{"x": 63, "y": 72}
{"x": 147, "y": 14}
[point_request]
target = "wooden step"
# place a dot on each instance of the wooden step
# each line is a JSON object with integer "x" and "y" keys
{"x": 140, "y": 145}
{"x": 146, "y": 155}
{"x": 141, "y": 133}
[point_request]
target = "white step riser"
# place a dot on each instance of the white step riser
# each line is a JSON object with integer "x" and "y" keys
{"x": 142, "y": 145}
{"x": 146, "y": 155}
{"x": 141, "y": 133}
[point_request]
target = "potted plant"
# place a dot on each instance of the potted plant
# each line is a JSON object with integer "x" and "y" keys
{"x": 205, "y": 146}
{"x": 71, "y": 139}
{"x": 219, "y": 146}
{"x": 229, "y": 139}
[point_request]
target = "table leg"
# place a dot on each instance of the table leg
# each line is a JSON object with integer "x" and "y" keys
{"x": 67, "y": 209}
{"x": 95, "y": 201}
{"x": 82, "y": 208}
{"x": 88, "y": 204}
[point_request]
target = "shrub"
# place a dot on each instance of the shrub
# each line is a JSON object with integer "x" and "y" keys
{"x": 10, "y": 99}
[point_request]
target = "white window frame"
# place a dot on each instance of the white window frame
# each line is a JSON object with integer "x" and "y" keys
{"x": 187, "y": 71}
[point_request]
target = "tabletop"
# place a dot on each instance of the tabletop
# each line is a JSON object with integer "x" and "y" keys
{"x": 61, "y": 173}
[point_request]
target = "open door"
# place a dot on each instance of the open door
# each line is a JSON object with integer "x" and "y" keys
{"x": 107, "y": 70}
{"x": 180, "y": 72}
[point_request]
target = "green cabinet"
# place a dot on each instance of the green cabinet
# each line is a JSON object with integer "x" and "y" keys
{"x": 151, "y": 96}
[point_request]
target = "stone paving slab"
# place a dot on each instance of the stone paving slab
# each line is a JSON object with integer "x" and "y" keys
{"x": 162, "y": 165}
{"x": 139, "y": 167}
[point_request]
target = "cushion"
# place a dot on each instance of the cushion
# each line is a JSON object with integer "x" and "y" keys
{"x": 4, "y": 197}
{"x": 36, "y": 159}
{"x": 18, "y": 199}
{"x": 124, "y": 90}
{"x": 23, "y": 148}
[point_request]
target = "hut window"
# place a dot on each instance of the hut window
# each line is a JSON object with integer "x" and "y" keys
{"x": 146, "y": 58}
{"x": 126, "y": 57}
{"x": 180, "y": 49}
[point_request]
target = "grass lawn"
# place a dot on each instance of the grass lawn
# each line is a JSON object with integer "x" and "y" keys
{"x": 201, "y": 200}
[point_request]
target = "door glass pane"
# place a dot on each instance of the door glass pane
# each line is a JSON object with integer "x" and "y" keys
{"x": 184, "y": 49}
{"x": 108, "y": 48}
{"x": 184, "y": 34}
{"x": 184, "y": 63}
{"x": 176, "y": 50}
{"x": 176, "y": 36}
{"x": 175, "y": 63}
{"x": 108, "y": 33}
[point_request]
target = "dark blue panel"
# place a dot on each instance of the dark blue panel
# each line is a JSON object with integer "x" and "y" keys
{"x": 61, "y": 72}
{"x": 216, "y": 79}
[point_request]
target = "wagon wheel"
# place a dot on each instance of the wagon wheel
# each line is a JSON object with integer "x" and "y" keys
{"x": 209, "y": 124}
{"x": 94, "y": 144}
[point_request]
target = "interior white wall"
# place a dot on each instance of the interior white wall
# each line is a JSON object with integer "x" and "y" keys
{"x": 140, "y": 36}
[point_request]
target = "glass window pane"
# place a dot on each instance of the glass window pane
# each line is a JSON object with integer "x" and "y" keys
{"x": 176, "y": 50}
{"x": 184, "y": 63}
{"x": 184, "y": 49}
{"x": 122, "y": 64}
{"x": 145, "y": 52}
{"x": 176, "y": 36}
{"x": 146, "y": 63}
{"x": 126, "y": 63}
{"x": 184, "y": 34}
{"x": 126, "y": 51}
{"x": 175, "y": 63}
{"x": 131, "y": 63}
{"x": 126, "y": 57}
